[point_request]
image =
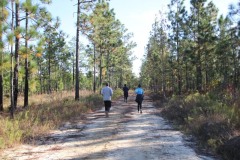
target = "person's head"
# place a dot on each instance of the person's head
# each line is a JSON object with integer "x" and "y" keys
{"x": 139, "y": 86}
{"x": 125, "y": 85}
{"x": 106, "y": 84}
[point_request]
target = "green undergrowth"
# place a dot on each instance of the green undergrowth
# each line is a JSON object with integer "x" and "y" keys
{"x": 117, "y": 93}
{"x": 39, "y": 119}
{"x": 210, "y": 119}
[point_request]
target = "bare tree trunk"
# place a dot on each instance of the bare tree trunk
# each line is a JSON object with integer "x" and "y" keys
{"x": 40, "y": 78}
{"x": 1, "y": 62}
{"x": 73, "y": 75}
{"x": 94, "y": 69}
{"x": 179, "y": 80}
{"x": 15, "y": 75}
{"x": 235, "y": 76}
{"x": 49, "y": 71}
{"x": 77, "y": 54}
{"x": 199, "y": 73}
{"x": 12, "y": 68}
{"x": 100, "y": 67}
{"x": 26, "y": 89}
{"x": 1, "y": 86}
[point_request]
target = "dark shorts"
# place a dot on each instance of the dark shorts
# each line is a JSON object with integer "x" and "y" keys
{"x": 107, "y": 105}
{"x": 139, "y": 98}
{"x": 125, "y": 94}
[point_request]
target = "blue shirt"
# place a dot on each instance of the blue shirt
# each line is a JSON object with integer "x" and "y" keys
{"x": 139, "y": 91}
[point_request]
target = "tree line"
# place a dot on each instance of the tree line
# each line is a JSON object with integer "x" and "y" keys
{"x": 193, "y": 51}
{"x": 36, "y": 56}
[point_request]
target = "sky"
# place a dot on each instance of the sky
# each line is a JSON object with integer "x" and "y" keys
{"x": 136, "y": 15}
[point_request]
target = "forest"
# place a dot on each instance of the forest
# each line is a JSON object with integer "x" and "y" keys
{"x": 193, "y": 57}
{"x": 37, "y": 59}
{"x": 191, "y": 63}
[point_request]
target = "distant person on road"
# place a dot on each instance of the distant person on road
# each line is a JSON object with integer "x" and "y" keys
{"x": 139, "y": 97}
{"x": 107, "y": 93}
{"x": 125, "y": 92}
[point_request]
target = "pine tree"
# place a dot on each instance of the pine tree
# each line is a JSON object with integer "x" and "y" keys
{"x": 30, "y": 9}
{"x": 177, "y": 17}
{"x": 202, "y": 21}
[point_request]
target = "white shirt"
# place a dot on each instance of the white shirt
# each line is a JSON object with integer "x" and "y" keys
{"x": 107, "y": 93}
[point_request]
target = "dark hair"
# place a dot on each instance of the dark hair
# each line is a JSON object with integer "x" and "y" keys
{"x": 139, "y": 85}
{"x": 125, "y": 85}
{"x": 106, "y": 84}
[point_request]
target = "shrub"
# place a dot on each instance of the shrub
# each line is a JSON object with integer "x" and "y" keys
{"x": 175, "y": 111}
{"x": 117, "y": 93}
{"x": 10, "y": 133}
{"x": 209, "y": 120}
{"x": 212, "y": 130}
{"x": 199, "y": 104}
{"x": 93, "y": 101}
{"x": 230, "y": 149}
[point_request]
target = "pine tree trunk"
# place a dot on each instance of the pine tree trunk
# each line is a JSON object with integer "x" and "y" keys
{"x": 94, "y": 70}
{"x": 77, "y": 54}
{"x": 1, "y": 74}
{"x": 40, "y": 79}
{"x": 26, "y": 65}
{"x": 12, "y": 67}
{"x": 1, "y": 92}
{"x": 16, "y": 57}
{"x": 100, "y": 66}
{"x": 49, "y": 71}
{"x": 199, "y": 73}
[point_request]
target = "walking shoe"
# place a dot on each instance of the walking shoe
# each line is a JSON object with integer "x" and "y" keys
{"x": 141, "y": 111}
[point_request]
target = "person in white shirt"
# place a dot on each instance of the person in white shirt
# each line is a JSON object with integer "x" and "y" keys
{"x": 107, "y": 93}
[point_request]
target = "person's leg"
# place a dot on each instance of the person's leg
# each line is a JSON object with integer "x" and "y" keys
{"x": 106, "y": 113}
{"x": 108, "y": 106}
{"x": 125, "y": 97}
{"x": 140, "y": 107}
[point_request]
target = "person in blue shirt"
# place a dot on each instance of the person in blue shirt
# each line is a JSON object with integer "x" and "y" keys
{"x": 139, "y": 97}
{"x": 125, "y": 92}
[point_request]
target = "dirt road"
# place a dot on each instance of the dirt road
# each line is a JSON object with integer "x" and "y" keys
{"x": 125, "y": 135}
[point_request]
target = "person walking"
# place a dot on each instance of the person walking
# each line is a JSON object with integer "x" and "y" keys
{"x": 139, "y": 97}
{"x": 107, "y": 93}
{"x": 125, "y": 92}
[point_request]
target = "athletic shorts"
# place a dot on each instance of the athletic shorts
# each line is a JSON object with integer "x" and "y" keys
{"x": 107, "y": 105}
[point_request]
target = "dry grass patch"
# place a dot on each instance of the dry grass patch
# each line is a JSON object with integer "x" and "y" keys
{"x": 45, "y": 113}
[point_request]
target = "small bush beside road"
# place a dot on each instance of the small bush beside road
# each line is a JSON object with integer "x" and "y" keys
{"x": 213, "y": 121}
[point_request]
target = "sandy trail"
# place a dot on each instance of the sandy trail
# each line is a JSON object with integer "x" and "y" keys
{"x": 125, "y": 135}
